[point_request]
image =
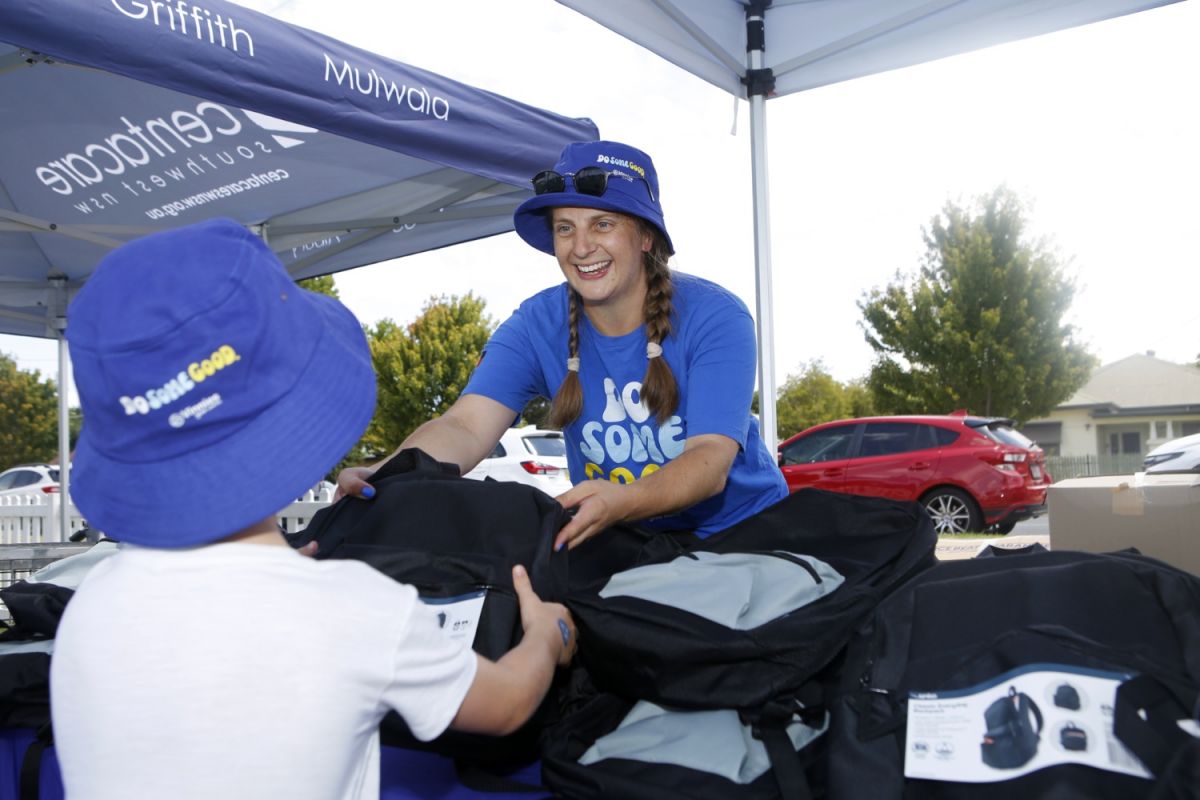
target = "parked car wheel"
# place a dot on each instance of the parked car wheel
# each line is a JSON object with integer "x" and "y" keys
{"x": 953, "y": 511}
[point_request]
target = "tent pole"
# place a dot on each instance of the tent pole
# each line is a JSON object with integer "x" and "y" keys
{"x": 64, "y": 427}
{"x": 64, "y": 440}
{"x": 759, "y": 83}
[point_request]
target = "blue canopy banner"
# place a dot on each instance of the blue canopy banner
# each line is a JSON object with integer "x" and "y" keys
{"x": 123, "y": 117}
{"x": 762, "y": 49}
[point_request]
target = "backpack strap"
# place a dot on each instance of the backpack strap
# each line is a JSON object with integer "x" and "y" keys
{"x": 769, "y": 725}
{"x": 31, "y": 764}
{"x": 411, "y": 462}
{"x": 474, "y": 776}
{"x": 416, "y": 462}
{"x": 1037, "y": 712}
{"x": 1146, "y": 720}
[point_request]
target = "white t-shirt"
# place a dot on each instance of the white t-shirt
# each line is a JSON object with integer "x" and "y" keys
{"x": 243, "y": 671}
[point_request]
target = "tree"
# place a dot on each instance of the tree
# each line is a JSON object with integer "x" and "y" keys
{"x": 322, "y": 284}
{"x": 28, "y": 415}
{"x": 980, "y": 327}
{"x": 814, "y": 396}
{"x": 421, "y": 369}
{"x": 537, "y": 413}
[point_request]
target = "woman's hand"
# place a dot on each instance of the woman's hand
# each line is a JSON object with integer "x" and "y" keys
{"x": 597, "y": 504}
{"x": 352, "y": 482}
{"x": 697, "y": 474}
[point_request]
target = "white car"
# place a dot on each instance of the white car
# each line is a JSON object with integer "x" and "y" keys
{"x": 528, "y": 455}
{"x": 1177, "y": 455}
{"x": 25, "y": 478}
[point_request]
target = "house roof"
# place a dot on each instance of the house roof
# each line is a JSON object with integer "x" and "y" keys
{"x": 1139, "y": 381}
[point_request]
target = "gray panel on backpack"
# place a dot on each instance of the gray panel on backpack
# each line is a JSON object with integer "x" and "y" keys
{"x": 715, "y": 742}
{"x": 756, "y": 588}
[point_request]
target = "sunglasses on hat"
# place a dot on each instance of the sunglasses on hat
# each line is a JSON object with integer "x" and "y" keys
{"x": 589, "y": 180}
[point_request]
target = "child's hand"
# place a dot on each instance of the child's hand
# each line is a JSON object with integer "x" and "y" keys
{"x": 536, "y": 614}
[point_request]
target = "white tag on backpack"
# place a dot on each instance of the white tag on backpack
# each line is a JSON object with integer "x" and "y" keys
{"x": 458, "y": 616}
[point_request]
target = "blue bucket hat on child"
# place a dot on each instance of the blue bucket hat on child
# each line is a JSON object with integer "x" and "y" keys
{"x": 616, "y": 177}
{"x": 214, "y": 390}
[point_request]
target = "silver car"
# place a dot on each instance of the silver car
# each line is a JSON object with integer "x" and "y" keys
{"x": 1177, "y": 455}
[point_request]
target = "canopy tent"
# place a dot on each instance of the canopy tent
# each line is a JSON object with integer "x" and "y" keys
{"x": 760, "y": 49}
{"x": 124, "y": 117}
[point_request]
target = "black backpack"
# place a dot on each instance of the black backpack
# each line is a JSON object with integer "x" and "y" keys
{"x": 966, "y": 624}
{"x": 1014, "y": 727}
{"x": 609, "y": 746}
{"x": 775, "y": 598}
{"x": 26, "y": 646}
{"x": 453, "y": 538}
{"x": 449, "y": 537}
{"x": 677, "y": 656}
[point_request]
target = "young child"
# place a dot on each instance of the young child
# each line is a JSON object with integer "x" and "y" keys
{"x": 207, "y": 659}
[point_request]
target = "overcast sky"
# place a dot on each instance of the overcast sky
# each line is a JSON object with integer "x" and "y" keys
{"x": 1097, "y": 128}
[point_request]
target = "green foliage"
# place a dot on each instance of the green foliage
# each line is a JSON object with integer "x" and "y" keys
{"x": 322, "y": 284}
{"x": 422, "y": 368}
{"x": 858, "y": 394}
{"x": 813, "y": 397}
{"x": 74, "y": 424}
{"x": 980, "y": 326}
{"x": 28, "y": 415}
{"x": 536, "y": 413}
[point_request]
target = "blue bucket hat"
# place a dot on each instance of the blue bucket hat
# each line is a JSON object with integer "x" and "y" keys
{"x": 214, "y": 390}
{"x": 632, "y": 189}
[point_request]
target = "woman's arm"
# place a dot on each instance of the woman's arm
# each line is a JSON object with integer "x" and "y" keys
{"x": 464, "y": 435}
{"x": 697, "y": 474}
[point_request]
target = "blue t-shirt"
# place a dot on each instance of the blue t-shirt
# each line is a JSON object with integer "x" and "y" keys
{"x": 711, "y": 352}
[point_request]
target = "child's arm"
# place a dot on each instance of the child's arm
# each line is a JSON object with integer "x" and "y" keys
{"x": 505, "y": 693}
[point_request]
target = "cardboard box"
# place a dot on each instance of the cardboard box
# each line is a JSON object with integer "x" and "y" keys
{"x": 1157, "y": 514}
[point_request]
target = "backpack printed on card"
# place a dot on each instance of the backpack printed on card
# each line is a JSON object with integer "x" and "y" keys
{"x": 1014, "y": 727}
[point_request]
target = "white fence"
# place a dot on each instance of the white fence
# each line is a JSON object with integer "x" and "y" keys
{"x": 32, "y": 517}
{"x": 295, "y": 517}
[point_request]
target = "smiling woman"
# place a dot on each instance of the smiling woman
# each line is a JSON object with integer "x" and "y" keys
{"x": 651, "y": 371}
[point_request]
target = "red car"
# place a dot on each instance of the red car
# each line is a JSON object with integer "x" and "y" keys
{"x": 971, "y": 473}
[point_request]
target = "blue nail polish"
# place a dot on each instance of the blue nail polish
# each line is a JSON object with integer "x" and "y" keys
{"x": 565, "y": 631}
{"x": 368, "y": 491}
{"x": 558, "y": 546}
